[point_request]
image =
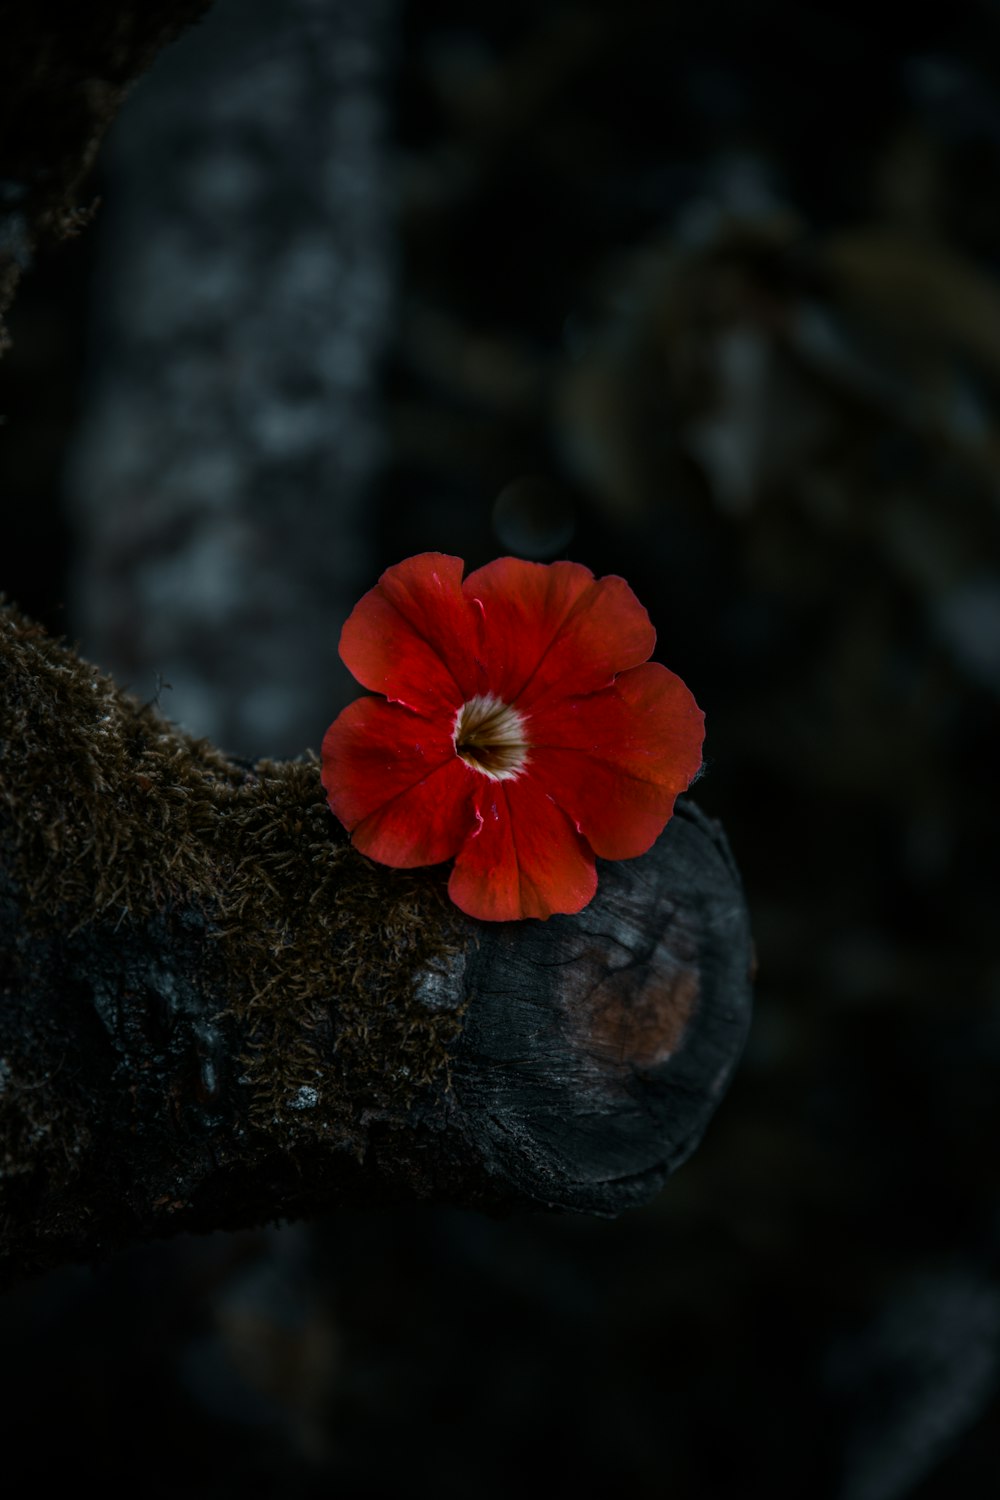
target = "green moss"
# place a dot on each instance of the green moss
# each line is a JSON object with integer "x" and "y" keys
{"x": 112, "y": 819}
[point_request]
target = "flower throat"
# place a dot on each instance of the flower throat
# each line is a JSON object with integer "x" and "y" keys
{"x": 489, "y": 737}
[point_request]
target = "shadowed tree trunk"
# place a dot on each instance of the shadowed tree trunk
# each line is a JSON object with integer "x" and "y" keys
{"x": 64, "y": 72}
{"x": 214, "y": 1012}
{"x": 221, "y": 480}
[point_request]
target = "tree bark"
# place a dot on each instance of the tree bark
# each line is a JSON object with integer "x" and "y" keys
{"x": 214, "y": 1012}
{"x": 232, "y": 425}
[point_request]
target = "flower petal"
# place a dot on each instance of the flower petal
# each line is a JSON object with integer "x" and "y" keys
{"x": 412, "y": 636}
{"x": 615, "y": 761}
{"x": 394, "y": 781}
{"x": 553, "y": 627}
{"x": 526, "y": 860}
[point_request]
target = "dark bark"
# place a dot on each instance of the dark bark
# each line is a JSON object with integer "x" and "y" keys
{"x": 64, "y": 71}
{"x": 213, "y": 1012}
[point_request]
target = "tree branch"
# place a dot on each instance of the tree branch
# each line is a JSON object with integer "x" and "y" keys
{"x": 64, "y": 72}
{"x": 214, "y": 1012}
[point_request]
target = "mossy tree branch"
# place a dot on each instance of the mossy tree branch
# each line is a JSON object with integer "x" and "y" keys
{"x": 214, "y": 1012}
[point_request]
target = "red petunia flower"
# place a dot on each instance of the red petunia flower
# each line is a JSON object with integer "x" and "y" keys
{"x": 522, "y": 730}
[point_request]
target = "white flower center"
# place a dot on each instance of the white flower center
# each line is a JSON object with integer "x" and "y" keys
{"x": 490, "y": 737}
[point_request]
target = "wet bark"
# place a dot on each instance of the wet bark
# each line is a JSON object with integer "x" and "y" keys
{"x": 214, "y": 1013}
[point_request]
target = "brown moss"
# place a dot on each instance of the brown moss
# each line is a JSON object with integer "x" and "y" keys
{"x": 336, "y": 944}
{"x": 33, "y": 1137}
{"x": 112, "y": 819}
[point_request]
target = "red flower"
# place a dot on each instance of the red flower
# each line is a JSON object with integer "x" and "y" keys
{"x": 521, "y": 731}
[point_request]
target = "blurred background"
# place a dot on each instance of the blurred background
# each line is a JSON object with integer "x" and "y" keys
{"x": 708, "y": 296}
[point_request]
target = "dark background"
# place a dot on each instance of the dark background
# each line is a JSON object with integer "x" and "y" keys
{"x": 708, "y": 296}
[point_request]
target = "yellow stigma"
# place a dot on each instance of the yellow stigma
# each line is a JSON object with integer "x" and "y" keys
{"x": 489, "y": 736}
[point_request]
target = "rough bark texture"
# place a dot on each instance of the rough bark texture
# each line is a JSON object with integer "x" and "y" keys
{"x": 213, "y": 1012}
{"x": 64, "y": 72}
